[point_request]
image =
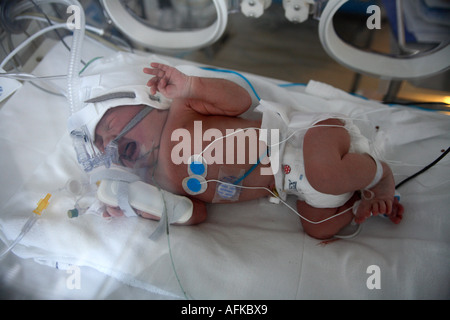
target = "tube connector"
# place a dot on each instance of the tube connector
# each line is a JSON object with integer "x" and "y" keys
{"x": 42, "y": 205}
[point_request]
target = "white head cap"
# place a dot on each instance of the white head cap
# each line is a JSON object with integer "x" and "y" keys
{"x": 111, "y": 82}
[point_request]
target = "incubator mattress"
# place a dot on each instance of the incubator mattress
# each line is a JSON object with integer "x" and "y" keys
{"x": 254, "y": 250}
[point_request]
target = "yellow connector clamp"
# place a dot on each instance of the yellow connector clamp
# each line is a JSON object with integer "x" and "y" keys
{"x": 42, "y": 204}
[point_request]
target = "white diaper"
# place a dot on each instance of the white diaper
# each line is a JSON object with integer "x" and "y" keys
{"x": 296, "y": 182}
{"x": 292, "y": 164}
{"x": 290, "y": 177}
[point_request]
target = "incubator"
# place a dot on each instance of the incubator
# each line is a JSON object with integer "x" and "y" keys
{"x": 172, "y": 25}
{"x": 92, "y": 88}
{"x": 193, "y": 24}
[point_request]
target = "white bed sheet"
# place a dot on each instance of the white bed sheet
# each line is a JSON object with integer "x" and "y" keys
{"x": 253, "y": 250}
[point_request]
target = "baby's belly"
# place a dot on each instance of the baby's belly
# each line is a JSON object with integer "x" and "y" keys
{"x": 227, "y": 183}
{"x": 228, "y": 152}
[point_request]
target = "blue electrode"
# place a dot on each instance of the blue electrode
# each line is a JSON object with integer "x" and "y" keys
{"x": 194, "y": 185}
{"x": 197, "y": 168}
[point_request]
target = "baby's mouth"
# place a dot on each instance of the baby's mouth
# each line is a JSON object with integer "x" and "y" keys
{"x": 146, "y": 158}
{"x": 129, "y": 152}
{"x": 134, "y": 155}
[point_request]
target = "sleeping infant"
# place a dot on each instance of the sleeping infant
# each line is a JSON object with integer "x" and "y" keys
{"x": 320, "y": 165}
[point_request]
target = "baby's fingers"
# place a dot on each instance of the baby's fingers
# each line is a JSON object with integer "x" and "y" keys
{"x": 153, "y": 84}
{"x": 154, "y": 72}
{"x": 157, "y": 69}
{"x": 160, "y": 66}
{"x": 113, "y": 212}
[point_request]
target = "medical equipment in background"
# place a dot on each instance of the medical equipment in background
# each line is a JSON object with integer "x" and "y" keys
{"x": 157, "y": 38}
{"x": 79, "y": 136}
{"x": 192, "y": 24}
{"x": 150, "y": 29}
{"x": 392, "y": 67}
{"x": 187, "y": 25}
{"x": 254, "y": 8}
{"x": 298, "y": 11}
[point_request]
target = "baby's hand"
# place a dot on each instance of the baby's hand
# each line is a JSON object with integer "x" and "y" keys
{"x": 115, "y": 212}
{"x": 168, "y": 80}
{"x": 112, "y": 212}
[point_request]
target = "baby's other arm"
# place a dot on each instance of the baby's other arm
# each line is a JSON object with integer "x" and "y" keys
{"x": 199, "y": 213}
{"x": 208, "y": 96}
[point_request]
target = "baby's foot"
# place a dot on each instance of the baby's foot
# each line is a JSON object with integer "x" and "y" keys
{"x": 396, "y": 214}
{"x": 379, "y": 199}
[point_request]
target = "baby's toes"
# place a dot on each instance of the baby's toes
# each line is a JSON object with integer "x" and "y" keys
{"x": 363, "y": 212}
{"x": 389, "y": 205}
{"x": 375, "y": 210}
{"x": 381, "y": 207}
{"x": 397, "y": 212}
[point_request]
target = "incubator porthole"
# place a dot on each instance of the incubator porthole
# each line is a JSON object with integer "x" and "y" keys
{"x": 403, "y": 63}
{"x": 169, "y": 25}
{"x": 172, "y": 15}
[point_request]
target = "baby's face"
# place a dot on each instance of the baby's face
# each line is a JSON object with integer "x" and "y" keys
{"x": 137, "y": 146}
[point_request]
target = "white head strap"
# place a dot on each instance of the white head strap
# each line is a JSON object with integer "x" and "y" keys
{"x": 114, "y": 81}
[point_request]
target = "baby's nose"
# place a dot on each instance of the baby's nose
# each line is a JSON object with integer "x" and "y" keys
{"x": 106, "y": 141}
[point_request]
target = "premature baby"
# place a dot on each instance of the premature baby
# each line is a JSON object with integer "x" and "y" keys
{"x": 329, "y": 167}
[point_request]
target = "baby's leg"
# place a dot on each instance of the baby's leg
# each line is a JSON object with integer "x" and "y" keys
{"x": 325, "y": 230}
{"x": 330, "y": 168}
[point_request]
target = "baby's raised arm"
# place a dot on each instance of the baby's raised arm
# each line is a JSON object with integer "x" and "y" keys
{"x": 168, "y": 80}
{"x": 209, "y": 96}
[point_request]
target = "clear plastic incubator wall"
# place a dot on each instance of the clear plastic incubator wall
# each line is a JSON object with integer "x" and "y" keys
{"x": 64, "y": 60}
